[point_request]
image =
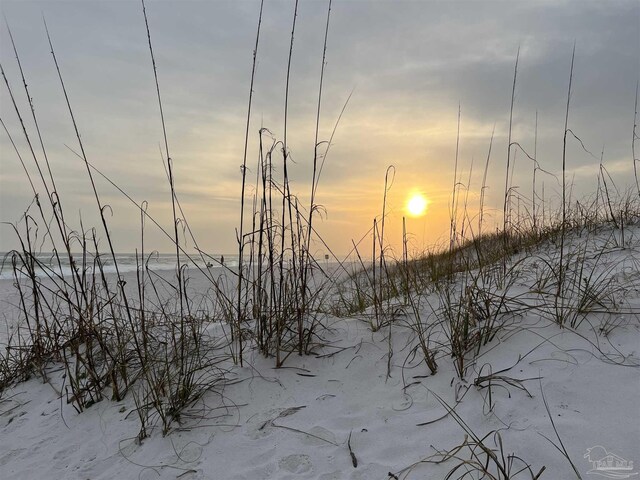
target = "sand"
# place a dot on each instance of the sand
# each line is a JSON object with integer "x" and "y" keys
{"x": 336, "y": 414}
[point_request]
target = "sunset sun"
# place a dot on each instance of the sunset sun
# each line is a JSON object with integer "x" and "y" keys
{"x": 417, "y": 205}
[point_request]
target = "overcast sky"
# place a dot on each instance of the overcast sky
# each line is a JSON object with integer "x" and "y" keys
{"x": 409, "y": 65}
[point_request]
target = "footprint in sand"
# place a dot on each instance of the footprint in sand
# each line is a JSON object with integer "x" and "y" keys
{"x": 64, "y": 453}
{"x": 7, "y": 457}
{"x": 295, "y": 464}
{"x": 260, "y": 425}
{"x": 16, "y": 421}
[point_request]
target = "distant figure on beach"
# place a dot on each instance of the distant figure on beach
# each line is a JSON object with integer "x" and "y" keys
{"x": 221, "y": 259}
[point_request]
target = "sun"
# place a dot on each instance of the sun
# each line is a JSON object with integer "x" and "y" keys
{"x": 417, "y": 205}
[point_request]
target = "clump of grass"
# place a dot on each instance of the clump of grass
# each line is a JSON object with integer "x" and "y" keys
{"x": 477, "y": 456}
{"x": 148, "y": 337}
{"x": 474, "y": 277}
{"x": 280, "y": 284}
{"x": 73, "y": 312}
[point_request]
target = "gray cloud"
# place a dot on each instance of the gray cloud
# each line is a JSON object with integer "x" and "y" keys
{"x": 409, "y": 62}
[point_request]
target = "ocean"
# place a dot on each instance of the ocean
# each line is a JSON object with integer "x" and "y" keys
{"x": 127, "y": 262}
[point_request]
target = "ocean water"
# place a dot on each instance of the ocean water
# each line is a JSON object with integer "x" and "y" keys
{"x": 127, "y": 262}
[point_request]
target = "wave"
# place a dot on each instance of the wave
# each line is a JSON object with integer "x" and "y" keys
{"x": 47, "y": 263}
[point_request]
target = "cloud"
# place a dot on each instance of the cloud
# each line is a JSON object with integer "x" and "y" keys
{"x": 409, "y": 65}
